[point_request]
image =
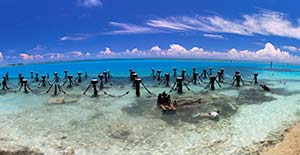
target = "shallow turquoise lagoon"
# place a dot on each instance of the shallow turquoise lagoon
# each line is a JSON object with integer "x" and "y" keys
{"x": 126, "y": 124}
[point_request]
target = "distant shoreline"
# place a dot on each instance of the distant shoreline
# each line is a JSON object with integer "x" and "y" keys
{"x": 140, "y": 59}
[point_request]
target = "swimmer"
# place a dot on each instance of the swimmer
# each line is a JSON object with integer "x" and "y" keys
{"x": 283, "y": 82}
{"x": 265, "y": 87}
{"x": 213, "y": 114}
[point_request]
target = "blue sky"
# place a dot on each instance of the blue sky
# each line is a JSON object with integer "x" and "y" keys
{"x": 50, "y": 30}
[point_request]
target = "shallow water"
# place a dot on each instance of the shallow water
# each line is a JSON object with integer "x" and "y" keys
{"x": 134, "y": 125}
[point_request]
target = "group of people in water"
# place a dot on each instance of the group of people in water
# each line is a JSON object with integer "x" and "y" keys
{"x": 164, "y": 102}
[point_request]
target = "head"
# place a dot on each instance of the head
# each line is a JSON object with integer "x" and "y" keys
{"x": 164, "y": 94}
{"x": 218, "y": 111}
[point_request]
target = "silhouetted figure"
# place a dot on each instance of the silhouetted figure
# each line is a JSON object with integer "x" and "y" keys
{"x": 265, "y": 87}
{"x": 4, "y": 83}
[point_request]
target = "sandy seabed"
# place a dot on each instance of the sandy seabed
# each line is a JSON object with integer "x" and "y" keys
{"x": 289, "y": 145}
{"x": 30, "y": 125}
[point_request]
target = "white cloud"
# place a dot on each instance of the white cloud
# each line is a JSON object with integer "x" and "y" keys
{"x": 25, "y": 56}
{"x": 1, "y": 56}
{"x": 136, "y": 53}
{"x": 264, "y": 23}
{"x": 87, "y": 54}
{"x": 268, "y": 53}
{"x": 75, "y": 37}
{"x": 123, "y": 28}
{"x": 37, "y": 48}
{"x": 89, "y": 3}
{"x": 170, "y": 23}
{"x": 76, "y": 53}
{"x": 199, "y": 23}
{"x": 176, "y": 49}
{"x": 291, "y": 48}
{"x": 130, "y": 29}
{"x": 38, "y": 56}
{"x": 214, "y": 36}
{"x": 11, "y": 57}
{"x": 155, "y": 48}
{"x": 52, "y": 56}
{"x": 107, "y": 51}
{"x": 55, "y": 56}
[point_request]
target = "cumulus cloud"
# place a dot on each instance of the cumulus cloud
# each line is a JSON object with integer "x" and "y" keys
{"x": 54, "y": 56}
{"x": 176, "y": 49}
{"x": 87, "y": 54}
{"x": 268, "y": 53}
{"x": 134, "y": 53}
{"x": 155, "y": 48}
{"x": 89, "y": 3}
{"x": 76, "y": 53}
{"x": 25, "y": 56}
{"x": 107, "y": 51}
{"x": 214, "y": 36}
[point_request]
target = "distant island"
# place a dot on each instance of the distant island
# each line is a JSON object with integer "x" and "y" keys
{"x": 16, "y": 64}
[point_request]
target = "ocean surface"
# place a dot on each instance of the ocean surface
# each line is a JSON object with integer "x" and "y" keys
{"x": 117, "y": 122}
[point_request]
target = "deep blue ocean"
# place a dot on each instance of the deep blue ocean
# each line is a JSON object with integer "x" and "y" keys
{"x": 119, "y": 68}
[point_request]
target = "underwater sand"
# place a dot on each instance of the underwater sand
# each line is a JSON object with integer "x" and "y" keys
{"x": 290, "y": 145}
{"x": 131, "y": 125}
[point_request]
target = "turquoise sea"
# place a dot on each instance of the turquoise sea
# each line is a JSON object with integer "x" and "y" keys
{"x": 115, "y": 122}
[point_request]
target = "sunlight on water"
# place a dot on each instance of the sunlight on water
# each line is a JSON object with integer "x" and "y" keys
{"x": 135, "y": 125}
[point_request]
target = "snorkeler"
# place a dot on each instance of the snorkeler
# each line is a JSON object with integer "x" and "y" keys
{"x": 214, "y": 114}
{"x": 265, "y": 87}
